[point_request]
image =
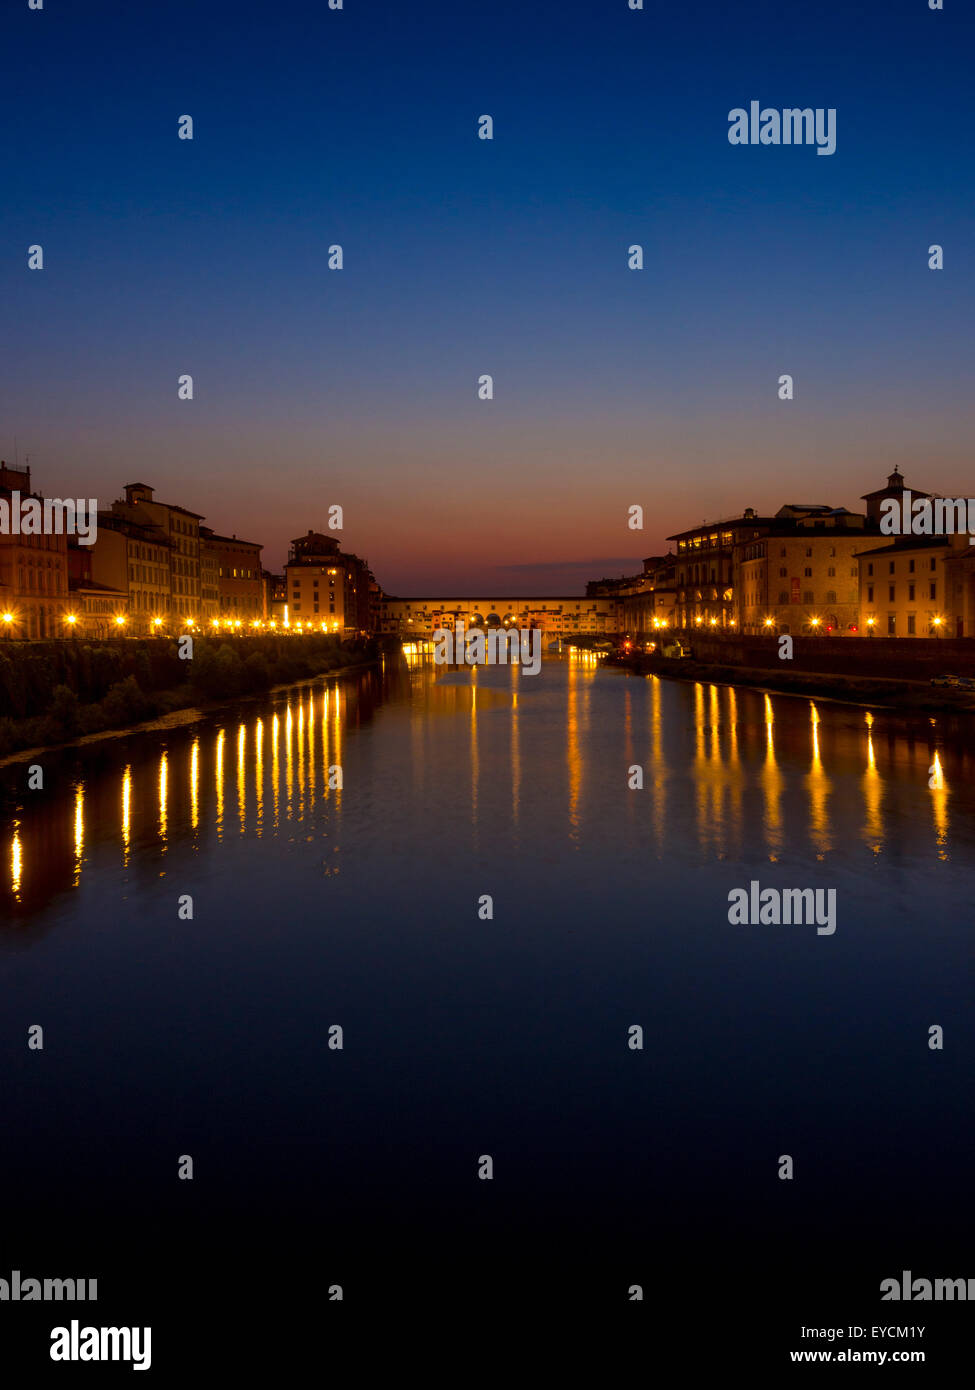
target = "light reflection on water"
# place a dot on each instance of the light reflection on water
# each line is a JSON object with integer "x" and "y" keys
{"x": 488, "y": 759}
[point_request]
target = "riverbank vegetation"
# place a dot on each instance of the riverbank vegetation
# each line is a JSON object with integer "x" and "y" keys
{"x": 52, "y": 692}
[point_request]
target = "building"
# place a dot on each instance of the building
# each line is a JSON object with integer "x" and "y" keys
{"x": 181, "y": 530}
{"x": 959, "y": 566}
{"x": 276, "y": 586}
{"x": 802, "y": 575}
{"x": 704, "y": 569}
{"x": 649, "y": 601}
{"x": 314, "y": 584}
{"x": 326, "y": 587}
{"x": 134, "y": 556}
{"x": 209, "y": 585}
{"x": 99, "y": 610}
{"x": 240, "y": 577}
{"x": 904, "y": 586}
{"x": 34, "y": 598}
{"x": 894, "y": 489}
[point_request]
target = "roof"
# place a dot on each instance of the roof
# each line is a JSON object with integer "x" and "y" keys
{"x": 728, "y": 521}
{"x": 908, "y": 543}
{"x": 89, "y": 586}
{"x": 209, "y": 535}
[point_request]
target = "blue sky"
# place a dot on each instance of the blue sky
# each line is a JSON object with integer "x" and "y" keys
{"x": 463, "y": 257}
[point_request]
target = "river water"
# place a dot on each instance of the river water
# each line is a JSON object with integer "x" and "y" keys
{"x": 357, "y": 900}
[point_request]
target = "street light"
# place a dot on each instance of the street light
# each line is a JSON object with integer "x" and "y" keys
{"x": 120, "y": 620}
{"x": 71, "y": 619}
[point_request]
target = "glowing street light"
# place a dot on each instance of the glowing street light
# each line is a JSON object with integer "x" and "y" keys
{"x": 157, "y": 622}
{"x": 71, "y": 619}
{"x": 769, "y": 622}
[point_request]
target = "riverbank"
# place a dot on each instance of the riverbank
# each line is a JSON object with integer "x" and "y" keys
{"x": 869, "y": 691}
{"x": 179, "y": 718}
{"x": 136, "y": 684}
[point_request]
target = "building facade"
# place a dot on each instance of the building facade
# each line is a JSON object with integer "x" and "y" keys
{"x": 904, "y": 588}
{"x": 181, "y": 530}
{"x": 34, "y": 598}
{"x": 134, "y": 556}
{"x": 704, "y": 569}
{"x": 240, "y": 577}
{"x": 802, "y": 576}
{"x": 326, "y": 587}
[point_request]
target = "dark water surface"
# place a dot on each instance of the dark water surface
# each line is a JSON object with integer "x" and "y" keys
{"x": 317, "y": 905}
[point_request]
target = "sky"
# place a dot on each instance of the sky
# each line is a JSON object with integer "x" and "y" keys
{"x": 464, "y": 257}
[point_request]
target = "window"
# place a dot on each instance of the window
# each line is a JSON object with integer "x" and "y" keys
{"x": 807, "y": 572}
{"x": 870, "y": 593}
{"x": 783, "y": 573}
{"x": 911, "y": 629}
{"x": 808, "y": 549}
{"x": 934, "y": 591}
{"x": 807, "y": 596}
{"x": 933, "y": 564}
{"x": 830, "y": 596}
{"x": 832, "y": 550}
{"x": 831, "y": 571}
{"x": 890, "y": 593}
{"x": 870, "y": 568}
{"x": 783, "y": 596}
{"x": 853, "y": 572}
{"x": 890, "y": 567}
{"x": 782, "y": 552}
{"x": 891, "y": 625}
{"x": 910, "y": 566}
{"x": 910, "y": 592}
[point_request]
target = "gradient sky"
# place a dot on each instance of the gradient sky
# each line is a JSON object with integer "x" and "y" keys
{"x": 465, "y": 256}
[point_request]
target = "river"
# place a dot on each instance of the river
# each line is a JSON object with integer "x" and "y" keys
{"x": 191, "y": 912}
